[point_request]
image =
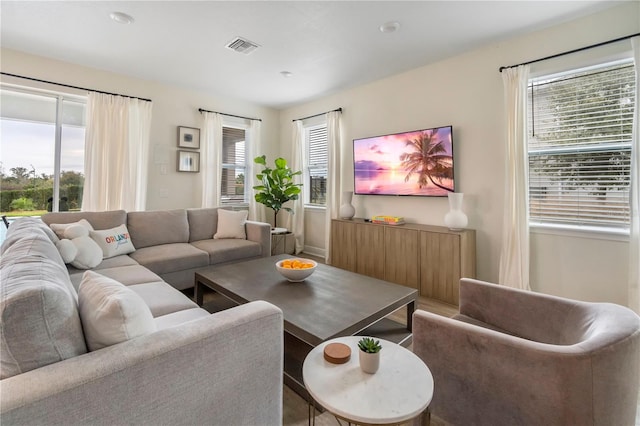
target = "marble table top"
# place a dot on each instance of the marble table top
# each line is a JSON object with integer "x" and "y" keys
{"x": 400, "y": 390}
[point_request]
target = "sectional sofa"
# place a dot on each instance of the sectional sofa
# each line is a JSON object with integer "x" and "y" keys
{"x": 120, "y": 344}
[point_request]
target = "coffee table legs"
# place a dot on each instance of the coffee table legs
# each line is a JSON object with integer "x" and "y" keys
{"x": 198, "y": 293}
{"x": 411, "y": 307}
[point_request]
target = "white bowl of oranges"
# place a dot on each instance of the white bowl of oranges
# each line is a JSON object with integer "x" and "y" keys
{"x": 295, "y": 269}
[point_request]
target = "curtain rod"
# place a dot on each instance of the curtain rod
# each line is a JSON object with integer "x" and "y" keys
{"x": 316, "y": 115}
{"x": 571, "y": 51}
{"x": 70, "y": 86}
{"x": 229, "y": 115}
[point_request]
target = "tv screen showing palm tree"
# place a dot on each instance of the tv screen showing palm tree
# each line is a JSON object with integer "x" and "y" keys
{"x": 419, "y": 162}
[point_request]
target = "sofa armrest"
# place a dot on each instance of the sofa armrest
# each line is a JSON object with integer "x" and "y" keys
{"x": 225, "y": 368}
{"x": 260, "y": 232}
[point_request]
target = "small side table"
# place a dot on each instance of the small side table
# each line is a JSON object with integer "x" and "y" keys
{"x": 401, "y": 390}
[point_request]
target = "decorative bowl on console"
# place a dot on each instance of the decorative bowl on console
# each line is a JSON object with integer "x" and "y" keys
{"x": 296, "y": 270}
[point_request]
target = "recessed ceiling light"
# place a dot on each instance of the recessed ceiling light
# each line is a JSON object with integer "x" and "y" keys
{"x": 389, "y": 27}
{"x": 121, "y": 18}
{"x": 286, "y": 74}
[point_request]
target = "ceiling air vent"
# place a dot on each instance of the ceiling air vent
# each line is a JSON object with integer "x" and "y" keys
{"x": 242, "y": 45}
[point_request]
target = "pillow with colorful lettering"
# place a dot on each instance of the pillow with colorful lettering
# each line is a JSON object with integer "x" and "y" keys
{"x": 114, "y": 241}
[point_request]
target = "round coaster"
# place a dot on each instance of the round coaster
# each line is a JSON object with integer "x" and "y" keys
{"x": 337, "y": 353}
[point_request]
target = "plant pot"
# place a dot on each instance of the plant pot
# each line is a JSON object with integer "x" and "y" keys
{"x": 369, "y": 363}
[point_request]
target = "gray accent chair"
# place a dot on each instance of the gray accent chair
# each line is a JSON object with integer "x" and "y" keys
{"x": 514, "y": 357}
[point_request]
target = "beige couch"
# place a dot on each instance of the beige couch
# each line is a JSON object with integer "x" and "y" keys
{"x": 194, "y": 368}
{"x": 514, "y": 357}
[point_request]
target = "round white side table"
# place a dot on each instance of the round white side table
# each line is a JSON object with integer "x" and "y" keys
{"x": 399, "y": 391}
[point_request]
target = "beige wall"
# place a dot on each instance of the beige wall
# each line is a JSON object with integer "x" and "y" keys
{"x": 172, "y": 107}
{"x": 466, "y": 92}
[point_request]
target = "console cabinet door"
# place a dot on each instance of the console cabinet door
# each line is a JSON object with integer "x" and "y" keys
{"x": 401, "y": 264}
{"x": 370, "y": 250}
{"x": 343, "y": 245}
{"x": 440, "y": 257}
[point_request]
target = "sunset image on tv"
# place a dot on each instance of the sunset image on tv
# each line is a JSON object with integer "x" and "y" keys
{"x": 409, "y": 163}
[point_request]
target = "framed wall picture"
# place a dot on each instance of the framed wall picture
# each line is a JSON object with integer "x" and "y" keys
{"x": 188, "y": 137}
{"x": 188, "y": 161}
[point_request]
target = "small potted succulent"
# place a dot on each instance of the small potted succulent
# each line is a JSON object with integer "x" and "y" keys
{"x": 369, "y": 354}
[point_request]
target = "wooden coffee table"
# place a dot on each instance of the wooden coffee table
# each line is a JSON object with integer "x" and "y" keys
{"x": 330, "y": 303}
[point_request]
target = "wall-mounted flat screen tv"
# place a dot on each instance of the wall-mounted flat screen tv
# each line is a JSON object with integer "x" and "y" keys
{"x": 419, "y": 162}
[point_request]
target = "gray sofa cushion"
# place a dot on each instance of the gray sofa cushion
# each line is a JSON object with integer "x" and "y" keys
{"x": 162, "y": 299}
{"x": 153, "y": 228}
{"x": 180, "y": 317}
{"x": 38, "y": 245}
{"x": 228, "y": 250}
{"x": 32, "y": 243}
{"x": 129, "y": 275}
{"x": 39, "y": 318}
{"x": 171, "y": 257}
{"x": 99, "y": 220}
{"x": 203, "y": 223}
{"x": 18, "y": 227}
{"x": 115, "y": 262}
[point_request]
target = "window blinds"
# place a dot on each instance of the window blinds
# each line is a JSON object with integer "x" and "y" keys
{"x": 579, "y": 147}
{"x": 232, "y": 188}
{"x": 317, "y": 157}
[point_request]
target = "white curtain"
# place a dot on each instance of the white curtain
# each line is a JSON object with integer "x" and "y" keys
{"x": 256, "y": 210}
{"x": 334, "y": 144}
{"x": 210, "y": 158}
{"x": 634, "y": 190}
{"x": 116, "y": 153}
{"x": 295, "y": 222}
{"x": 514, "y": 259}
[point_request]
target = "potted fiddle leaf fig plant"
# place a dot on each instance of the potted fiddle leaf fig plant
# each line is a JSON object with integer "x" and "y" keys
{"x": 369, "y": 354}
{"x": 277, "y": 185}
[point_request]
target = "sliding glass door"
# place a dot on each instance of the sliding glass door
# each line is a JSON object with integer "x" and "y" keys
{"x": 41, "y": 152}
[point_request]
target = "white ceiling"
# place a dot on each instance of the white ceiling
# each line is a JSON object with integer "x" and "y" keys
{"x": 327, "y": 45}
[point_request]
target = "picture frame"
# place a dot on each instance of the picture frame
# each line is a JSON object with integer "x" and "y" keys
{"x": 188, "y": 161}
{"x": 188, "y": 137}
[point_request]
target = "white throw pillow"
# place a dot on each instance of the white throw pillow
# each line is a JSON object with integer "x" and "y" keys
{"x": 110, "y": 312}
{"x": 231, "y": 224}
{"x": 113, "y": 242}
{"x": 78, "y": 249}
{"x": 59, "y": 228}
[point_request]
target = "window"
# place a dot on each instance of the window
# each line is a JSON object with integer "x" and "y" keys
{"x": 579, "y": 149}
{"x": 315, "y": 171}
{"x": 42, "y": 145}
{"x": 234, "y": 166}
